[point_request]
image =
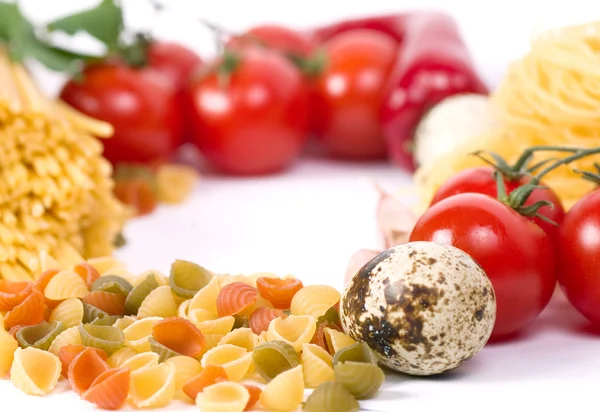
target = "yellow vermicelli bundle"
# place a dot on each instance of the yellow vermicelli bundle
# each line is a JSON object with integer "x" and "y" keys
{"x": 55, "y": 187}
{"x": 549, "y": 97}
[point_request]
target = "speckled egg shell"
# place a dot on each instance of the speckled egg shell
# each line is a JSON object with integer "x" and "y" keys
{"x": 424, "y": 308}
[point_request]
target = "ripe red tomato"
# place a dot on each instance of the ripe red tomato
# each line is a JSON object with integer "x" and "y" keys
{"x": 282, "y": 39}
{"x": 579, "y": 256}
{"x": 347, "y": 94}
{"x": 481, "y": 180}
{"x": 257, "y": 121}
{"x": 515, "y": 253}
{"x": 173, "y": 60}
{"x": 141, "y": 105}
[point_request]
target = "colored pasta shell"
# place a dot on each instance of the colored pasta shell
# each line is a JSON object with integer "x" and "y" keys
{"x": 296, "y": 330}
{"x": 29, "y": 312}
{"x": 87, "y": 273}
{"x": 108, "y": 302}
{"x": 105, "y": 263}
{"x": 362, "y": 380}
{"x": 331, "y": 396}
{"x": 337, "y": 340}
{"x": 223, "y": 397}
{"x": 109, "y": 390}
{"x": 242, "y": 337}
{"x": 69, "y": 352}
{"x": 314, "y": 300}
{"x": 13, "y": 293}
{"x": 273, "y": 358}
{"x": 91, "y": 313}
{"x": 153, "y": 387}
{"x": 358, "y": 352}
{"x": 64, "y": 285}
{"x": 317, "y": 364}
{"x": 39, "y": 336}
{"x": 332, "y": 316}
{"x": 319, "y": 337}
{"x": 209, "y": 376}
{"x": 41, "y": 283}
{"x": 34, "y": 371}
{"x": 117, "y": 359}
{"x": 220, "y": 326}
{"x": 254, "y": 392}
{"x": 285, "y": 392}
{"x": 261, "y": 318}
{"x": 137, "y": 334}
{"x": 107, "y": 338}
{"x": 105, "y": 321}
{"x": 69, "y": 312}
{"x": 186, "y": 368}
{"x": 138, "y": 294}
{"x": 278, "y": 291}
{"x": 187, "y": 278}
{"x": 8, "y": 346}
{"x": 159, "y": 302}
{"x": 206, "y": 298}
{"x": 179, "y": 335}
{"x": 235, "y": 360}
{"x": 141, "y": 361}
{"x": 124, "y": 322}
{"x": 235, "y": 298}
{"x": 84, "y": 369}
{"x": 161, "y": 350}
{"x": 112, "y": 284}
{"x": 67, "y": 337}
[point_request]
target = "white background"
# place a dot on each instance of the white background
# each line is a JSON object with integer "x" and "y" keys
{"x": 309, "y": 220}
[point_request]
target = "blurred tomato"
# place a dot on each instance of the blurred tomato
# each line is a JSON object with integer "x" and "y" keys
{"x": 173, "y": 60}
{"x": 249, "y": 112}
{"x": 279, "y": 38}
{"x": 141, "y": 104}
{"x": 347, "y": 94}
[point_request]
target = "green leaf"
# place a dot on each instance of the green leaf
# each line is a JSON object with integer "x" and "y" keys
{"x": 103, "y": 22}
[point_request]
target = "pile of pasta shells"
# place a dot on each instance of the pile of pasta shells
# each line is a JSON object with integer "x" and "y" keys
{"x": 223, "y": 342}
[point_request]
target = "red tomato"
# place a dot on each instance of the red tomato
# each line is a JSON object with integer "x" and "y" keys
{"x": 257, "y": 122}
{"x": 140, "y": 104}
{"x": 515, "y": 253}
{"x": 279, "y": 38}
{"x": 348, "y": 92}
{"x": 481, "y": 180}
{"x": 174, "y": 61}
{"x": 579, "y": 256}
{"x": 137, "y": 193}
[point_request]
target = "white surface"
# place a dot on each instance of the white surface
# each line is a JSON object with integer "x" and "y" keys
{"x": 310, "y": 220}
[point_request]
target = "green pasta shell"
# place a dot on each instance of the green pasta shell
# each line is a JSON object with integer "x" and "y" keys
{"x": 187, "y": 278}
{"x": 91, "y": 313}
{"x": 362, "y": 380}
{"x": 39, "y": 336}
{"x": 105, "y": 320}
{"x": 107, "y": 338}
{"x": 331, "y": 396}
{"x": 240, "y": 322}
{"x": 113, "y": 284}
{"x": 332, "y": 315}
{"x": 138, "y": 294}
{"x": 359, "y": 352}
{"x": 163, "y": 352}
{"x": 273, "y": 358}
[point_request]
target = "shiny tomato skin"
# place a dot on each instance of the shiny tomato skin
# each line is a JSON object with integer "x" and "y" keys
{"x": 515, "y": 253}
{"x": 347, "y": 94}
{"x": 254, "y": 122}
{"x": 280, "y": 38}
{"x": 579, "y": 256}
{"x": 141, "y": 105}
{"x": 481, "y": 180}
{"x": 174, "y": 61}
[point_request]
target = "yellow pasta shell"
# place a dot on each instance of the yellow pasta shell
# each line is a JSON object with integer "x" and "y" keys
{"x": 186, "y": 368}
{"x": 295, "y": 330}
{"x": 337, "y": 340}
{"x": 285, "y": 392}
{"x": 317, "y": 365}
{"x": 220, "y": 326}
{"x": 119, "y": 357}
{"x": 70, "y": 336}
{"x": 242, "y": 337}
{"x": 137, "y": 334}
{"x": 223, "y": 397}
{"x": 69, "y": 312}
{"x": 34, "y": 371}
{"x": 314, "y": 300}
{"x": 160, "y": 302}
{"x": 153, "y": 387}
{"x": 206, "y": 298}
{"x": 64, "y": 285}
{"x": 8, "y": 346}
{"x": 235, "y": 360}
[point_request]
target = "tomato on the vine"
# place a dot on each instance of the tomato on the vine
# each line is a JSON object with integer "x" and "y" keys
{"x": 249, "y": 113}
{"x": 279, "y": 38}
{"x": 514, "y": 252}
{"x": 579, "y": 256}
{"x": 481, "y": 180}
{"x": 347, "y": 93}
{"x": 141, "y": 104}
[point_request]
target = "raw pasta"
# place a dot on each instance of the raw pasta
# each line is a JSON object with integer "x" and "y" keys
{"x": 29, "y": 312}
{"x": 295, "y": 330}
{"x": 136, "y": 335}
{"x": 209, "y": 376}
{"x": 109, "y": 390}
{"x": 187, "y": 278}
{"x": 273, "y": 358}
{"x": 337, "y": 340}
{"x": 13, "y": 293}
{"x": 235, "y": 360}
{"x": 70, "y": 336}
{"x": 235, "y": 298}
{"x": 362, "y": 380}
{"x": 186, "y": 368}
{"x": 139, "y": 292}
{"x": 206, "y": 298}
{"x": 261, "y": 318}
{"x": 124, "y": 322}
{"x": 220, "y": 326}
{"x": 278, "y": 291}
{"x": 179, "y": 335}
{"x": 159, "y": 302}
{"x": 68, "y": 353}
{"x": 87, "y": 272}
{"x": 34, "y": 371}
{"x": 113, "y": 284}
{"x": 8, "y": 345}
{"x": 84, "y": 369}
{"x": 141, "y": 361}
{"x": 153, "y": 386}
{"x": 317, "y": 365}
{"x": 223, "y": 397}
{"x": 314, "y": 300}
{"x": 39, "y": 336}
{"x": 107, "y": 338}
{"x": 117, "y": 359}
{"x": 242, "y": 337}
{"x": 105, "y": 263}
{"x": 69, "y": 312}
{"x": 331, "y": 396}
{"x": 285, "y": 392}
{"x": 108, "y": 302}
{"x": 64, "y": 285}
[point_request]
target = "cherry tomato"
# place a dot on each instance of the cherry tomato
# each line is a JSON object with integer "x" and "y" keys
{"x": 282, "y": 39}
{"x": 174, "y": 61}
{"x": 137, "y": 193}
{"x": 481, "y": 180}
{"x": 348, "y": 92}
{"x": 514, "y": 252}
{"x": 141, "y": 105}
{"x": 579, "y": 256}
{"x": 253, "y": 121}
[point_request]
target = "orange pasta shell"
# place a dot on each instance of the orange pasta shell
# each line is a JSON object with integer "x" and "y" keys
{"x": 29, "y": 312}
{"x": 84, "y": 370}
{"x": 109, "y": 390}
{"x": 13, "y": 293}
{"x": 261, "y": 318}
{"x": 209, "y": 376}
{"x": 235, "y": 298}
{"x": 254, "y": 392}
{"x": 180, "y": 335}
{"x": 67, "y": 353}
{"x": 278, "y": 291}
{"x": 41, "y": 284}
{"x": 111, "y": 303}
{"x": 319, "y": 337}
{"x": 87, "y": 272}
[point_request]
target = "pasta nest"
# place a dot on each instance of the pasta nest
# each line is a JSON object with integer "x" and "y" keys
{"x": 55, "y": 186}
